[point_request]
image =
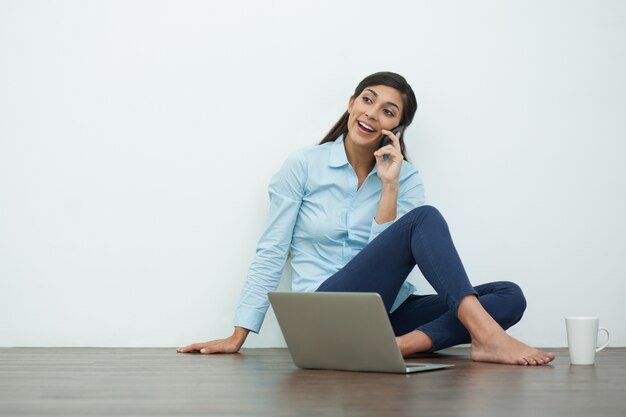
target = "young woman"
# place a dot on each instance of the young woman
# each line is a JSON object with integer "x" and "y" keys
{"x": 352, "y": 214}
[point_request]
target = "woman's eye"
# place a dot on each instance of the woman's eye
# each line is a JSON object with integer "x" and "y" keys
{"x": 388, "y": 112}
{"x": 367, "y": 99}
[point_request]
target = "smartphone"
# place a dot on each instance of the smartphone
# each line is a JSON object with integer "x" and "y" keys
{"x": 384, "y": 141}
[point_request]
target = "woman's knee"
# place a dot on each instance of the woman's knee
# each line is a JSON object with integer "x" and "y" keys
{"x": 424, "y": 211}
{"x": 516, "y": 298}
{"x": 504, "y": 300}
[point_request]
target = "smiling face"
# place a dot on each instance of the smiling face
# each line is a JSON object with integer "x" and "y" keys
{"x": 377, "y": 107}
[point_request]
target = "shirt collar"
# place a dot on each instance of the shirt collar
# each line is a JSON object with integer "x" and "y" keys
{"x": 338, "y": 157}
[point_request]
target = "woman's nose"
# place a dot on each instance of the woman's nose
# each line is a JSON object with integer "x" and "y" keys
{"x": 371, "y": 114}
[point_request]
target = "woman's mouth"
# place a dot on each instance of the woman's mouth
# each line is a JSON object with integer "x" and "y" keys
{"x": 365, "y": 129}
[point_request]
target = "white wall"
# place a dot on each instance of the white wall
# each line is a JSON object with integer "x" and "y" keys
{"x": 137, "y": 139}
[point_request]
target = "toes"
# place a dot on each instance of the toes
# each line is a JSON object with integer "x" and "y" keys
{"x": 542, "y": 358}
{"x": 545, "y": 358}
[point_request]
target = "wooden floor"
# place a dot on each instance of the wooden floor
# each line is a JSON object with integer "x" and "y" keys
{"x": 264, "y": 382}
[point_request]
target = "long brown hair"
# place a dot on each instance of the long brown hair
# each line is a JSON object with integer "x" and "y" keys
{"x": 390, "y": 79}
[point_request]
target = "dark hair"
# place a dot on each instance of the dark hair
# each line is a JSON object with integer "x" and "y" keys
{"x": 389, "y": 79}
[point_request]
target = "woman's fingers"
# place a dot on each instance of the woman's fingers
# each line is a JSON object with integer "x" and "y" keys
{"x": 395, "y": 138}
{"x": 214, "y": 346}
{"x": 387, "y": 150}
{"x": 391, "y": 149}
{"x": 191, "y": 348}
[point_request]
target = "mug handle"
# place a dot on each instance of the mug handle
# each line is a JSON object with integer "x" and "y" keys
{"x": 602, "y": 329}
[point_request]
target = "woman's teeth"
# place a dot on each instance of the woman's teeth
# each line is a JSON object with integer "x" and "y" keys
{"x": 366, "y": 127}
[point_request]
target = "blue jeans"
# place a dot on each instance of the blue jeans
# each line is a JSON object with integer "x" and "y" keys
{"x": 421, "y": 237}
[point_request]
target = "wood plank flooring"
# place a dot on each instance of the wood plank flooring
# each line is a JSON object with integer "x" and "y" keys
{"x": 264, "y": 382}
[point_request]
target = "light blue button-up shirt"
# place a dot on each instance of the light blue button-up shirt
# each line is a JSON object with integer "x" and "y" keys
{"x": 317, "y": 213}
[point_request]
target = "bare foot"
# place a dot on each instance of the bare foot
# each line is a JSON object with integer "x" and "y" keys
{"x": 502, "y": 348}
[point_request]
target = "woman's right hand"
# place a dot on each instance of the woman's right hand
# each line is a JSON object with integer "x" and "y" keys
{"x": 231, "y": 344}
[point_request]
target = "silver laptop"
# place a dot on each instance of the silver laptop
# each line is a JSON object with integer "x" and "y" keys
{"x": 341, "y": 330}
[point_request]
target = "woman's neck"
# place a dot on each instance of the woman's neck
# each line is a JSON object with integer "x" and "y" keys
{"x": 361, "y": 159}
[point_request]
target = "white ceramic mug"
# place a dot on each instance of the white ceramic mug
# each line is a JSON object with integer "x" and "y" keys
{"x": 582, "y": 339}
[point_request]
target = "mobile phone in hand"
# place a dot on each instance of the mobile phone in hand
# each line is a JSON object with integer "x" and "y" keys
{"x": 384, "y": 141}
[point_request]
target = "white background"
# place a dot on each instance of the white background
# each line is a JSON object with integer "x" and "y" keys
{"x": 137, "y": 139}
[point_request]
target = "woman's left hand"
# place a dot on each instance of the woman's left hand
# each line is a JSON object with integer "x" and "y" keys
{"x": 389, "y": 170}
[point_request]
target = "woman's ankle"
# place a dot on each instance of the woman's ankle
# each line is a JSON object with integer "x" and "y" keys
{"x": 476, "y": 319}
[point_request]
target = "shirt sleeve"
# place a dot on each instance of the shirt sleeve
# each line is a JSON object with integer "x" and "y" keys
{"x": 286, "y": 190}
{"x": 410, "y": 195}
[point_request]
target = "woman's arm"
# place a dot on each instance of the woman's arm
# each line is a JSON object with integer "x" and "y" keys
{"x": 388, "y": 171}
{"x": 286, "y": 191}
{"x": 388, "y": 204}
{"x": 401, "y": 186}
